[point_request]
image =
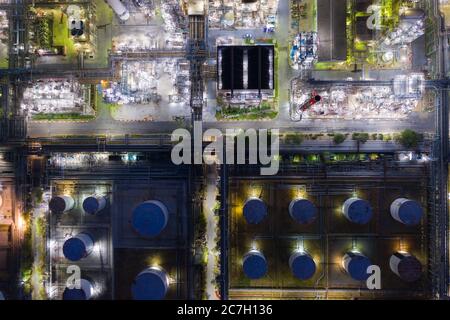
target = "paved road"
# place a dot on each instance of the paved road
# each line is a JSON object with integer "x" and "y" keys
{"x": 105, "y": 126}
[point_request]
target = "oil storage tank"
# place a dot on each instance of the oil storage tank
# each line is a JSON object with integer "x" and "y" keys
{"x": 254, "y": 264}
{"x": 303, "y": 211}
{"x": 78, "y": 247}
{"x": 84, "y": 292}
{"x": 150, "y": 218}
{"x": 93, "y": 204}
{"x": 119, "y": 9}
{"x": 150, "y": 284}
{"x": 356, "y": 264}
{"x": 255, "y": 210}
{"x": 357, "y": 210}
{"x": 302, "y": 265}
{"x": 406, "y": 211}
{"x": 60, "y": 204}
{"x": 406, "y": 266}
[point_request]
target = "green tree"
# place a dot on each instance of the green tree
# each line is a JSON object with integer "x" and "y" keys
{"x": 361, "y": 137}
{"x": 338, "y": 138}
{"x": 409, "y": 138}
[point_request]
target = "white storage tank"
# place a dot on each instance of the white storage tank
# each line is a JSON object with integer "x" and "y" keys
{"x": 119, "y": 9}
{"x": 150, "y": 284}
{"x": 406, "y": 266}
{"x": 255, "y": 210}
{"x": 93, "y": 204}
{"x": 254, "y": 264}
{"x": 357, "y": 210}
{"x": 303, "y": 211}
{"x": 78, "y": 247}
{"x": 406, "y": 211}
{"x": 83, "y": 293}
{"x": 302, "y": 265}
{"x": 60, "y": 204}
{"x": 356, "y": 264}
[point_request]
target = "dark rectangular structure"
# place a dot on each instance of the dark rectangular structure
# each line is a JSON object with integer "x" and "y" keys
{"x": 331, "y": 22}
{"x": 245, "y": 67}
{"x": 362, "y": 32}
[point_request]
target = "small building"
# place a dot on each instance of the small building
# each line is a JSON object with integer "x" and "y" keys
{"x": 245, "y": 70}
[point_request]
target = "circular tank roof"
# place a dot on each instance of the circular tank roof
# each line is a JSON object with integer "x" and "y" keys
{"x": 303, "y": 211}
{"x": 74, "y": 294}
{"x": 357, "y": 267}
{"x": 410, "y": 269}
{"x": 410, "y": 212}
{"x": 360, "y": 211}
{"x": 57, "y": 204}
{"x": 148, "y": 286}
{"x": 74, "y": 249}
{"x": 149, "y": 218}
{"x": 91, "y": 205}
{"x": 255, "y": 210}
{"x": 303, "y": 266}
{"x": 255, "y": 265}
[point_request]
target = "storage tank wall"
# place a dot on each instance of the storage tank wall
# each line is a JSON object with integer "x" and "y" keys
{"x": 62, "y": 203}
{"x": 150, "y": 218}
{"x": 150, "y": 284}
{"x": 406, "y": 211}
{"x": 94, "y": 204}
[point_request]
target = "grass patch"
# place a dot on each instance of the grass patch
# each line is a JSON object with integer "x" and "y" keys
{"x": 61, "y": 36}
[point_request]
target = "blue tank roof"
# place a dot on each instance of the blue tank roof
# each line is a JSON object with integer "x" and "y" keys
{"x": 303, "y": 267}
{"x": 148, "y": 286}
{"x": 357, "y": 267}
{"x": 303, "y": 211}
{"x": 74, "y": 294}
{"x": 410, "y": 213}
{"x": 74, "y": 249}
{"x": 255, "y": 266}
{"x": 360, "y": 211}
{"x": 148, "y": 219}
{"x": 410, "y": 269}
{"x": 90, "y": 205}
{"x": 255, "y": 210}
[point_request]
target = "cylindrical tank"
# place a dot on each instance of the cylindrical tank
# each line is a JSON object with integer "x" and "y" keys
{"x": 406, "y": 211}
{"x": 357, "y": 210}
{"x": 356, "y": 264}
{"x": 1, "y": 200}
{"x": 255, "y": 210}
{"x": 83, "y": 293}
{"x": 94, "y": 204}
{"x": 254, "y": 264}
{"x": 406, "y": 266}
{"x": 59, "y": 204}
{"x": 150, "y": 284}
{"x": 78, "y": 247}
{"x": 119, "y": 9}
{"x": 2, "y": 296}
{"x": 303, "y": 211}
{"x": 302, "y": 265}
{"x": 150, "y": 218}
